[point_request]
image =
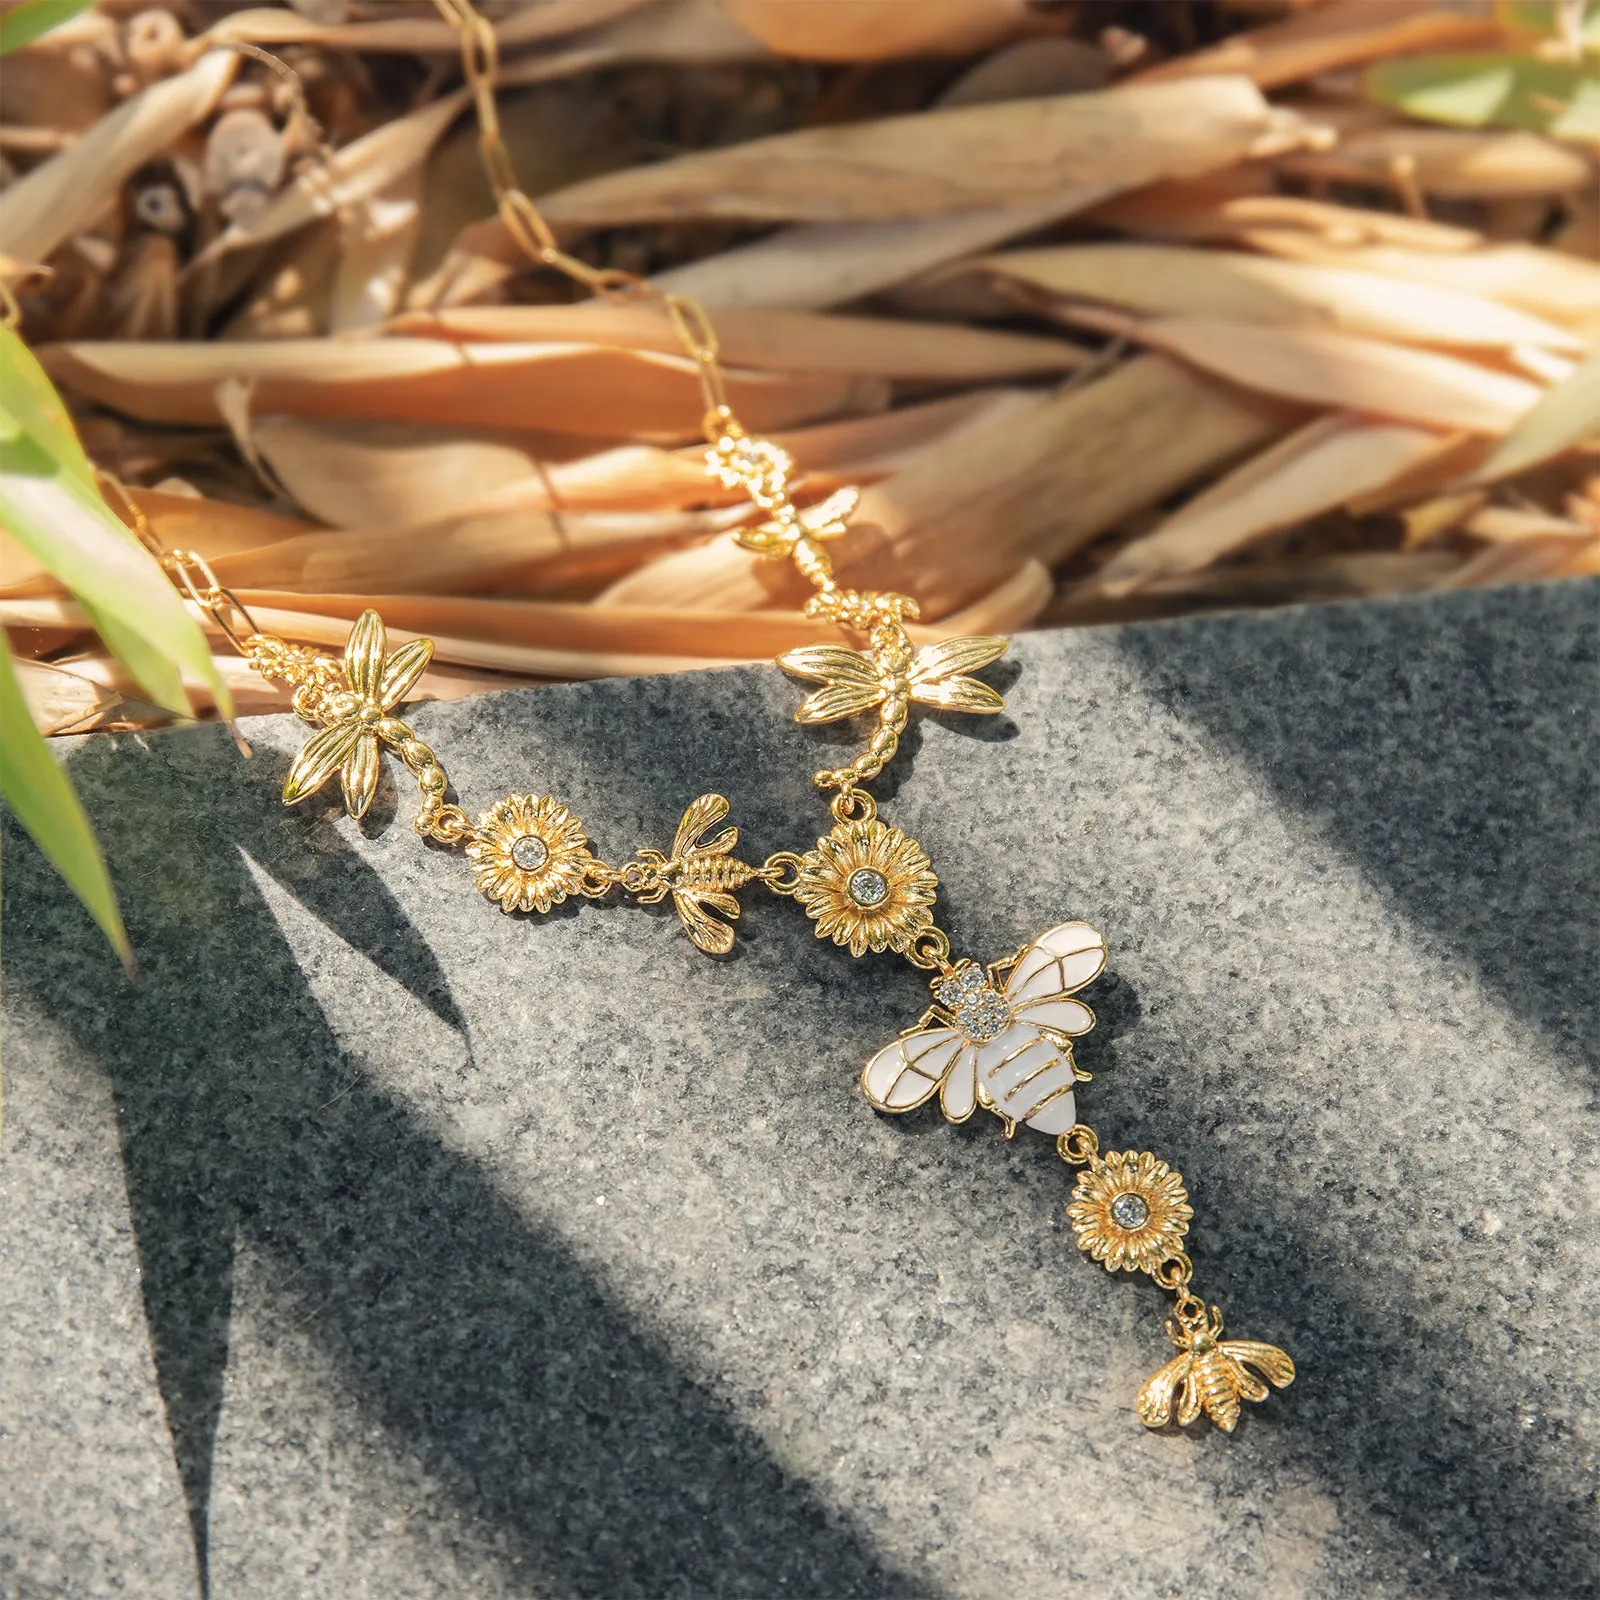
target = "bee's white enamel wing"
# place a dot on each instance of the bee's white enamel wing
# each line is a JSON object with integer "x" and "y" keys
{"x": 1009, "y": 1050}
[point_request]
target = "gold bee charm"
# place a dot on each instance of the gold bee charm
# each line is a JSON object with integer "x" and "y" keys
{"x": 697, "y": 874}
{"x": 1211, "y": 1374}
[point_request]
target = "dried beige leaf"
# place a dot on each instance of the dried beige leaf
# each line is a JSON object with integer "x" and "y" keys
{"x": 682, "y": 32}
{"x": 580, "y": 389}
{"x": 1556, "y": 286}
{"x": 424, "y": 33}
{"x": 1036, "y": 482}
{"x": 1030, "y": 69}
{"x": 1528, "y": 560}
{"x": 65, "y": 194}
{"x": 1173, "y": 281}
{"x": 1237, "y": 203}
{"x": 1205, "y": 124}
{"x": 1513, "y": 525}
{"x": 1316, "y": 367}
{"x": 354, "y": 474}
{"x": 1452, "y": 163}
{"x": 1566, "y": 416}
{"x": 772, "y": 341}
{"x": 376, "y": 238}
{"x": 1355, "y": 575}
{"x": 63, "y": 701}
{"x": 935, "y": 163}
{"x": 471, "y": 551}
{"x": 1343, "y": 34}
{"x": 1313, "y": 470}
{"x": 879, "y": 30}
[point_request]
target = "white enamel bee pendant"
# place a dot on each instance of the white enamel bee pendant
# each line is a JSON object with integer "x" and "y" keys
{"x": 1005, "y": 1046}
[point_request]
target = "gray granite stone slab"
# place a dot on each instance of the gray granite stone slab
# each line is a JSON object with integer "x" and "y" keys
{"x": 377, "y": 1244}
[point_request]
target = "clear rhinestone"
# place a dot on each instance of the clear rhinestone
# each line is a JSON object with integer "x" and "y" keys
{"x": 530, "y": 852}
{"x": 983, "y": 1016}
{"x": 868, "y": 887}
{"x": 1130, "y": 1211}
{"x": 966, "y": 981}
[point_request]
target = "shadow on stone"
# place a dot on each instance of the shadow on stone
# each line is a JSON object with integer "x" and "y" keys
{"x": 1419, "y": 753}
{"x": 476, "y": 1339}
{"x": 1367, "y": 724}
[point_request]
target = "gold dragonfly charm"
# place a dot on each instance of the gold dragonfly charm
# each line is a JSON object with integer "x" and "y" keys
{"x": 825, "y": 520}
{"x": 699, "y": 873}
{"x": 1211, "y": 1374}
{"x": 853, "y": 682}
{"x": 890, "y": 676}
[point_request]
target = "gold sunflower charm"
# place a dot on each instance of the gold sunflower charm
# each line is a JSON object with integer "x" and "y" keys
{"x": 1130, "y": 1211}
{"x": 868, "y": 886}
{"x": 529, "y": 853}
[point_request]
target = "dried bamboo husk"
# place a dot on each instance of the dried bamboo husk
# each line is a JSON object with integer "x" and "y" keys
{"x": 1316, "y": 367}
{"x": 1315, "y": 469}
{"x": 1343, "y": 34}
{"x": 582, "y": 389}
{"x": 95, "y": 692}
{"x": 1558, "y": 286}
{"x": 1038, "y": 483}
{"x": 1114, "y": 141}
{"x": 353, "y": 474}
{"x": 1530, "y": 560}
{"x": 1451, "y": 163}
{"x": 465, "y": 553}
{"x": 1327, "y": 375}
{"x": 425, "y": 33}
{"x": 939, "y": 162}
{"x": 770, "y": 341}
{"x": 1350, "y": 575}
{"x": 1171, "y": 281}
{"x": 878, "y": 30}
{"x": 1214, "y": 208}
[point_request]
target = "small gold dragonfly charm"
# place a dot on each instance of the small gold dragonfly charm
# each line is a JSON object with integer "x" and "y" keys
{"x": 825, "y": 520}
{"x": 697, "y": 874}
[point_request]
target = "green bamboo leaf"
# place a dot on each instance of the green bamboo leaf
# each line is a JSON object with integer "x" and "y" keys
{"x": 147, "y": 666}
{"x": 38, "y": 792}
{"x": 1542, "y": 17}
{"x": 34, "y": 407}
{"x": 49, "y": 503}
{"x": 33, "y": 18}
{"x": 1562, "y": 417}
{"x": 1495, "y": 90}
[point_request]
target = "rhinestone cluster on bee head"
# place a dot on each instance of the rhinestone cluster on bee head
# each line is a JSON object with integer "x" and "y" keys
{"x": 967, "y": 994}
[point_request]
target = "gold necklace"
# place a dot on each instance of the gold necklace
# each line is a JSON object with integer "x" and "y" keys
{"x": 996, "y": 1036}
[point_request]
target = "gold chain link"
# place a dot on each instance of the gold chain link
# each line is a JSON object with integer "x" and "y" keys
{"x": 480, "y": 66}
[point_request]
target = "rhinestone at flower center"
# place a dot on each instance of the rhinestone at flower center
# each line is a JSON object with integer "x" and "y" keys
{"x": 867, "y": 887}
{"x": 1130, "y": 1211}
{"x": 530, "y": 852}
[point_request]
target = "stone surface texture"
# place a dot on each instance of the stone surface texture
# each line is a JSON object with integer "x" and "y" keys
{"x": 377, "y": 1244}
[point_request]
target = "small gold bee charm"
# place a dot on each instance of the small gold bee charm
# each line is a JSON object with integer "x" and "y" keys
{"x": 1212, "y": 1373}
{"x": 700, "y": 872}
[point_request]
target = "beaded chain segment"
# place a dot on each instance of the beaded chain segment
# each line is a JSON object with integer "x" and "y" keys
{"x": 996, "y": 1037}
